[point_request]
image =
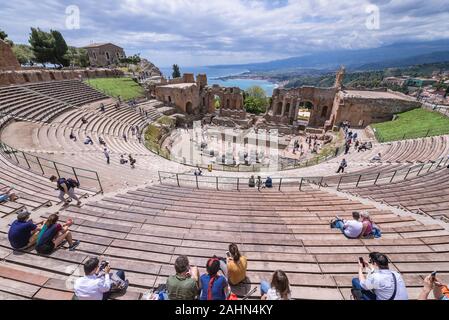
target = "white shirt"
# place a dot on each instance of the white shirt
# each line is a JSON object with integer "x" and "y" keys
{"x": 382, "y": 282}
{"x": 353, "y": 228}
{"x": 92, "y": 287}
{"x": 273, "y": 294}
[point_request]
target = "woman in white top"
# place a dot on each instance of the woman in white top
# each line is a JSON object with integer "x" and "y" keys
{"x": 279, "y": 288}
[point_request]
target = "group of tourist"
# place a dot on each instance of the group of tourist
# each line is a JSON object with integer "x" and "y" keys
{"x": 253, "y": 183}
{"x": 45, "y": 235}
{"x": 222, "y": 278}
{"x": 360, "y": 227}
{"x": 225, "y": 276}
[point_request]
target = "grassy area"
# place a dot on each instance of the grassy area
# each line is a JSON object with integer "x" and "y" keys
{"x": 412, "y": 124}
{"x": 152, "y": 136}
{"x": 126, "y": 88}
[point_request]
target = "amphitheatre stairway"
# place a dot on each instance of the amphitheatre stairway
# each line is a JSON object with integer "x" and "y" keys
{"x": 143, "y": 232}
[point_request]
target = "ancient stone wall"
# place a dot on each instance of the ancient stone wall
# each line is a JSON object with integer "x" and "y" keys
{"x": 287, "y": 102}
{"x": 185, "y": 98}
{"x": 230, "y": 98}
{"x": 362, "y": 112}
{"x": 8, "y": 60}
{"x": 40, "y": 75}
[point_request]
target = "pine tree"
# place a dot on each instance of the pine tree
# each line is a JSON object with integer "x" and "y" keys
{"x": 176, "y": 72}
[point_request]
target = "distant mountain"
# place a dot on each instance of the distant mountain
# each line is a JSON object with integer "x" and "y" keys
{"x": 354, "y": 59}
{"x": 434, "y": 57}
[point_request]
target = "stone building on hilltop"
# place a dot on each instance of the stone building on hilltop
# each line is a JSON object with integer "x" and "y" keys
{"x": 104, "y": 54}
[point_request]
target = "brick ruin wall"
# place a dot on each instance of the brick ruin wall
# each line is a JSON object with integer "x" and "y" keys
{"x": 362, "y": 112}
{"x": 8, "y": 60}
{"x": 31, "y": 76}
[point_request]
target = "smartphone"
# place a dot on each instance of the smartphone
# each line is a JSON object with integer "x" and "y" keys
{"x": 362, "y": 262}
{"x": 433, "y": 275}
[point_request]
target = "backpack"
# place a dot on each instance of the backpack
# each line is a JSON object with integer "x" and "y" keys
{"x": 73, "y": 183}
{"x": 117, "y": 284}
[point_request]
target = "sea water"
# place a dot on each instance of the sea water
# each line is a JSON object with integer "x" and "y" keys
{"x": 213, "y": 75}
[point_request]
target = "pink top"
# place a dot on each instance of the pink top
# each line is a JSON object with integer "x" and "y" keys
{"x": 369, "y": 227}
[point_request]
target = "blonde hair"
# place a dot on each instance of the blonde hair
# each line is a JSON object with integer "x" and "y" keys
{"x": 365, "y": 214}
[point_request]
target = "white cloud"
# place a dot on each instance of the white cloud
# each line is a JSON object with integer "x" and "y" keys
{"x": 230, "y": 31}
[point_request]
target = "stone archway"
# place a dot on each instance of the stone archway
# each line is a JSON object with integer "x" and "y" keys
{"x": 189, "y": 107}
{"x": 279, "y": 108}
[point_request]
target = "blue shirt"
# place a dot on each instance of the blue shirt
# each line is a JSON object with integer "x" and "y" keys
{"x": 20, "y": 233}
{"x": 217, "y": 288}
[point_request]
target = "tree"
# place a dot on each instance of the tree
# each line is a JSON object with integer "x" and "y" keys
{"x": 23, "y": 53}
{"x": 59, "y": 49}
{"x": 176, "y": 72}
{"x": 135, "y": 59}
{"x": 255, "y": 100}
{"x": 78, "y": 57}
{"x": 42, "y": 45}
{"x": 4, "y": 37}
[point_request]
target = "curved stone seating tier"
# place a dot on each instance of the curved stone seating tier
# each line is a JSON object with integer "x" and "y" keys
{"x": 73, "y": 92}
{"x": 143, "y": 232}
{"x": 428, "y": 193}
{"x": 29, "y": 105}
{"x": 34, "y": 191}
{"x": 413, "y": 151}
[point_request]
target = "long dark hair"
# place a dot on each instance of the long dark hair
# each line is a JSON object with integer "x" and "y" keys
{"x": 52, "y": 219}
{"x": 281, "y": 284}
{"x": 234, "y": 251}
{"x": 212, "y": 267}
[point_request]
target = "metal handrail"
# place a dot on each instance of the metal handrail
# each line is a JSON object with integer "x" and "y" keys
{"x": 43, "y": 166}
{"x": 354, "y": 180}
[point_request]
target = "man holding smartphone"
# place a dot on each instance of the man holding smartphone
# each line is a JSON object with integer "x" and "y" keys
{"x": 380, "y": 283}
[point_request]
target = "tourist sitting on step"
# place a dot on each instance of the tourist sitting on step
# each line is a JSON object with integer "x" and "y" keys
{"x": 53, "y": 234}
{"x": 83, "y": 120}
{"x": 101, "y": 141}
{"x": 185, "y": 284}
{"x": 377, "y": 158}
{"x": 88, "y": 140}
{"x": 370, "y": 229}
{"x": 66, "y": 187}
{"x": 278, "y": 289}
{"x": 117, "y": 105}
{"x": 380, "y": 283}
{"x": 252, "y": 182}
{"x": 212, "y": 285}
{"x": 99, "y": 283}
{"x": 198, "y": 172}
{"x": 102, "y": 108}
{"x": 352, "y": 229}
{"x": 23, "y": 232}
{"x": 269, "y": 182}
{"x": 72, "y": 136}
{"x": 123, "y": 160}
{"x": 235, "y": 266}
{"x": 431, "y": 283}
{"x": 6, "y": 194}
{"x": 124, "y": 137}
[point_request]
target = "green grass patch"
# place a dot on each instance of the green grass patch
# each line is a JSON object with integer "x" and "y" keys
{"x": 412, "y": 124}
{"x": 152, "y": 136}
{"x": 126, "y": 88}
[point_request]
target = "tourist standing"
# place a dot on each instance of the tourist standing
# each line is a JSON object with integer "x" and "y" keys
{"x": 106, "y": 154}
{"x": 66, "y": 187}
{"x": 342, "y": 166}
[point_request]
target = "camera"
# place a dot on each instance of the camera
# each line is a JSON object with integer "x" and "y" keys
{"x": 103, "y": 265}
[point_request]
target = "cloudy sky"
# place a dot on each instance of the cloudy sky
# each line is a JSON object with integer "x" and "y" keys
{"x": 208, "y": 32}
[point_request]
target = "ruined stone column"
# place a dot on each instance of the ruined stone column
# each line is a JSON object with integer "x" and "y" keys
{"x": 284, "y": 104}
{"x": 293, "y": 105}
